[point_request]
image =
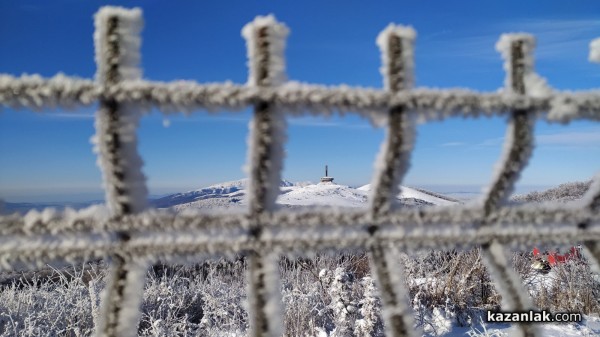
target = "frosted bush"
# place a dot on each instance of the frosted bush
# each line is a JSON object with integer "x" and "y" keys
{"x": 50, "y": 301}
{"x": 340, "y": 286}
{"x": 330, "y": 296}
{"x": 569, "y": 287}
{"x": 564, "y": 192}
{"x": 454, "y": 282}
{"x": 370, "y": 323}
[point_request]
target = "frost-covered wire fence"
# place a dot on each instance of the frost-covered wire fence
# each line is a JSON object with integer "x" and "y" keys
{"x": 132, "y": 236}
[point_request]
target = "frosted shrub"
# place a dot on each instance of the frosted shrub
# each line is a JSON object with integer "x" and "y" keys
{"x": 305, "y": 299}
{"x": 569, "y": 287}
{"x": 453, "y": 285}
{"x": 564, "y": 192}
{"x": 172, "y": 306}
{"x": 48, "y": 303}
{"x": 205, "y": 299}
{"x": 224, "y": 295}
{"x": 370, "y": 323}
{"x": 330, "y": 296}
{"x": 343, "y": 304}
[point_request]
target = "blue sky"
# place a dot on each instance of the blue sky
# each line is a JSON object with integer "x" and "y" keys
{"x": 48, "y": 156}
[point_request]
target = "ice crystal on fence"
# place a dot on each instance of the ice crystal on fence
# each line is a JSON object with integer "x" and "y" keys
{"x": 128, "y": 34}
{"x": 406, "y": 36}
{"x": 273, "y": 59}
{"x": 595, "y": 50}
{"x": 535, "y": 85}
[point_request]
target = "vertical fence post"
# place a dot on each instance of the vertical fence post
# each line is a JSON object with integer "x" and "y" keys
{"x": 519, "y": 134}
{"x": 516, "y": 50}
{"x": 591, "y": 200}
{"x": 266, "y": 41}
{"x": 396, "y": 44}
{"x": 117, "y": 56}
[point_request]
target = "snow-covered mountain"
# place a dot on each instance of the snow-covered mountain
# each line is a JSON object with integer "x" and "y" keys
{"x": 232, "y": 195}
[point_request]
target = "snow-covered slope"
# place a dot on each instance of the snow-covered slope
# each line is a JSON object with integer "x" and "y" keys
{"x": 419, "y": 194}
{"x": 323, "y": 195}
{"x": 232, "y": 195}
{"x": 231, "y": 191}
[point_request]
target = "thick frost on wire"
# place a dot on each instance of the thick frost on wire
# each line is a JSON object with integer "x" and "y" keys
{"x": 595, "y": 50}
{"x": 404, "y": 76}
{"x": 396, "y": 45}
{"x": 117, "y": 42}
{"x": 124, "y": 182}
{"x": 34, "y": 91}
{"x": 166, "y": 235}
{"x": 535, "y": 85}
{"x": 296, "y": 98}
{"x": 127, "y": 299}
{"x": 591, "y": 199}
{"x": 264, "y": 300}
{"x": 518, "y": 147}
{"x": 517, "y": 50}
{"x": 265, "y": 39}
{"x": 267, "y": 67}
{"x": 127, "y": 34}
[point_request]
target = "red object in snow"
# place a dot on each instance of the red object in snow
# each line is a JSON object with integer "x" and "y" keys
{"x": 554, "y": 258}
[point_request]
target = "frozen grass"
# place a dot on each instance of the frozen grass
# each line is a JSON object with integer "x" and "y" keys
{"x": 327, "y": 295}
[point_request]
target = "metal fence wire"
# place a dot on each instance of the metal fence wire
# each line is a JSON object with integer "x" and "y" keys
{"x": 132, "y": 236}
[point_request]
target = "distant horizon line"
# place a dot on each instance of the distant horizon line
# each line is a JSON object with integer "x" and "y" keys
{"x": 85, "y": 196}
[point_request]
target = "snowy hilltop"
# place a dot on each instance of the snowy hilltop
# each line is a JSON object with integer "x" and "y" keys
{"x": 231, "y": 194}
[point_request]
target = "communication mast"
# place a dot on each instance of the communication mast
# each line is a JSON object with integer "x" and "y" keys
{"x": 327, "y": 179}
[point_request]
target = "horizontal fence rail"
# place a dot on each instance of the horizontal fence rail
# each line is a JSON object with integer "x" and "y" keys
{"x": 132, "y": 236}
{"x": 32, "y": 91}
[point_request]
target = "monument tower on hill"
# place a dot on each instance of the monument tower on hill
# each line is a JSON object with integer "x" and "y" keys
{"x": 326, "y": 179}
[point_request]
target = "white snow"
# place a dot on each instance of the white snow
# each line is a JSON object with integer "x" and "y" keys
{"x": 407, "y": 192}
{"x": 323, "y": 195}
{"x": 228, "y": 185}
{"x": 589, "y": 327}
